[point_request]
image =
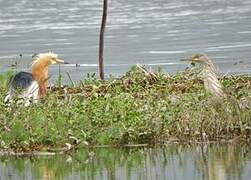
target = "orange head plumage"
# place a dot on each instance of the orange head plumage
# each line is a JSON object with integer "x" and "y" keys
{"x": 39, "y": 69}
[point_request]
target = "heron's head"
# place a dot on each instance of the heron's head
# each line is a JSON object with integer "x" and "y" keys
{"x": 47, "y": 59}
{"x": 198, "y": 58}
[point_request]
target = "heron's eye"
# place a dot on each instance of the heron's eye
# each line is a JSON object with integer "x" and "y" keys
{"x": 197, "y": 57}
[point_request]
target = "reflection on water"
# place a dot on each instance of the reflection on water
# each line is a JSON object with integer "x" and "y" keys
{"x": 158, "y": 32}
{"x": 174, "y": 162}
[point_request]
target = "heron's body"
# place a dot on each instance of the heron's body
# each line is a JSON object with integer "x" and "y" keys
{"x": 211, "y": 82}
{"x": 32, "y": 86}
{"x": 21, "y": 80}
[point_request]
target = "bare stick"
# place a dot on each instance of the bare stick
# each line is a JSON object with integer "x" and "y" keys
{"x": 147, "y": 72}
{"x": 69, "y": 76}
{"x": 101, "y": 41}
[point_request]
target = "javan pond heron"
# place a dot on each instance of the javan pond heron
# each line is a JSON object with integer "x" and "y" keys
{"x": 32, "y": 86}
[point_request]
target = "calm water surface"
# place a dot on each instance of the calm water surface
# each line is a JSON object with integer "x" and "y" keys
{"x": 174, "y": 162}
{"x": 151, "y": 32}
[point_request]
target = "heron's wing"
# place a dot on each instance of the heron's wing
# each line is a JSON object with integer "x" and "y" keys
{"x": 31, "y": 91}
{"x": 7, "y": 98}
{"x": 30, "y": 94}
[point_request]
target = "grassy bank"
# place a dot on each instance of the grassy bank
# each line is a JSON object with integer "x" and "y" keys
{"x": 137, "y": 108}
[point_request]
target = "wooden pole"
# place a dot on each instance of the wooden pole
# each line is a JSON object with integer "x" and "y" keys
{"x": 101, "y": 41}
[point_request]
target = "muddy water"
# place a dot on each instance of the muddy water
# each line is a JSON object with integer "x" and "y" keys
{"x": 174, "y": 162}
{"x": 156, "y": 33}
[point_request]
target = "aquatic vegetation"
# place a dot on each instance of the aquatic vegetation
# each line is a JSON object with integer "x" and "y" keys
{"x": 138, "y": 108}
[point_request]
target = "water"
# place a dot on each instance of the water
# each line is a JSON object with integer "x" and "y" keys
{"x": 151, "y": 32}
{"x": 174, "y": 162}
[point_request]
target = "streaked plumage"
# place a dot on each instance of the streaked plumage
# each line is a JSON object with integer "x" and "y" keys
{"x": 209, "y": 75}
{"x": 32, "y": 86}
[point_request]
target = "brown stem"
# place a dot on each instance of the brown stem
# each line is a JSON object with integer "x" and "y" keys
{"x": 101, "y": 40}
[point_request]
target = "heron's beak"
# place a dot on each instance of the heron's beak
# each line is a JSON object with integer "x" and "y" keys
{"x": 186, "y": 59}
{"x": 60, "y": 61}
{"x": 192, "y": 59}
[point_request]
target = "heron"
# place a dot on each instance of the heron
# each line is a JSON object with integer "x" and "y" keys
{"x": 209, "y": 74}
{"x": 32, "y": 86}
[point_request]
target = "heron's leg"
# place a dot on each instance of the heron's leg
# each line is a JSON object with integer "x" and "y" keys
{"x": 42, "y": 90}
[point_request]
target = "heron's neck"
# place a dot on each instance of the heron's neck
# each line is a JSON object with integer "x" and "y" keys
{"x": 40, "y": 71}
{"x": 211, "y": 82}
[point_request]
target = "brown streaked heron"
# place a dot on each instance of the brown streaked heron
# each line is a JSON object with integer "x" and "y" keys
{"x": 209, "y": 74}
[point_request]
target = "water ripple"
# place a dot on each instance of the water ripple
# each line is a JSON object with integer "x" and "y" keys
{"x": 149, "y": 32}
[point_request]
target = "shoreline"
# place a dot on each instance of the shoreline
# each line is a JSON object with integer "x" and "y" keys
{"x": 65, "y": 151}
